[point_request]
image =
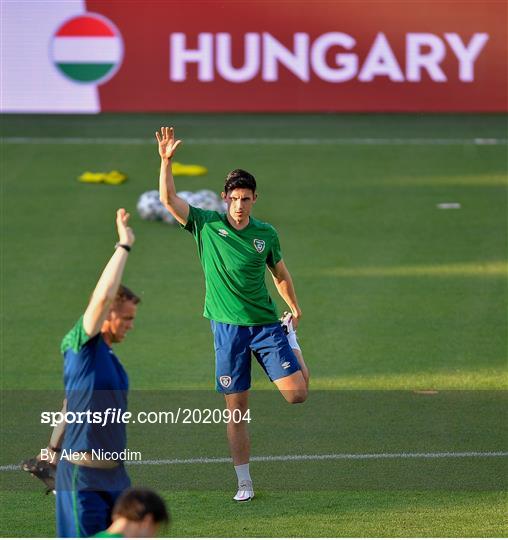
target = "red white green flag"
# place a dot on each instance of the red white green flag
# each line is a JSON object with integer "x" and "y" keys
{"x": 88, "y": 49}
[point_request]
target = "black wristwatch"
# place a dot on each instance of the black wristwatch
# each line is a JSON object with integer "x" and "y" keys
{"x": 125, "y": 246}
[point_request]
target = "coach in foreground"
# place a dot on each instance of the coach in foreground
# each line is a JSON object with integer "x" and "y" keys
{"x": 235, "y": 249}
{"x": 95, "y": 380}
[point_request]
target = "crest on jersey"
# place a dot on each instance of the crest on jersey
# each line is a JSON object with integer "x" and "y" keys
{"x": 225, "y": 381}
{"x": 259, "y": 245}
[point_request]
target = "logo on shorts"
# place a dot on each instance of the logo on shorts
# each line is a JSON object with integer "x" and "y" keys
{"x": 286, "y": 365}
{"x": 225, "y": 381}
{"x": 259, "y": 245}
{"x": 223, "y": 233}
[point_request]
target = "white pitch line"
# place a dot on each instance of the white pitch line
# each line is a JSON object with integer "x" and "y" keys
{"x": 324, "y": 457}
{"x": 309, "y": 457}
{"x": 368, "y": 141}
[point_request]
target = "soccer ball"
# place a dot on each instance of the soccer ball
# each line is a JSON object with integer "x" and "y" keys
{"x": 208, "y": 199}
{"x": 166, "y": 215}
{"x": 185, "y": 195}
{"x": 148, "y": 205}
{"x": 196, "y": 200}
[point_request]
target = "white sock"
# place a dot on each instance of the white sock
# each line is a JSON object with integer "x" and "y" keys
{"x": 293, "y": 343}
{"x": 242, "y": 472}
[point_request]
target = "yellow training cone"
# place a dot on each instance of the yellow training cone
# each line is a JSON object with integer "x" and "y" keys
{"x": 90, "y": 177}
{"x": 179, "y": 169}
{"x": 113, "y": 177}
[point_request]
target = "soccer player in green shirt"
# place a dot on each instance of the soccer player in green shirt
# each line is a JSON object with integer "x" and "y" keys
{"x": 235, "y": 249}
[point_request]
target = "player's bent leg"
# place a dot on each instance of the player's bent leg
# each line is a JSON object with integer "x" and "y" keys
{"x": 286, "y": 322}
{"x": 293, "y": 387}
{"x": 282, "y": 360}
{"x": 303, "y": 366}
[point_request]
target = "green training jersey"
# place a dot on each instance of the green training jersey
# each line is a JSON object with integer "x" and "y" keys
{"x": 234, "y": 264}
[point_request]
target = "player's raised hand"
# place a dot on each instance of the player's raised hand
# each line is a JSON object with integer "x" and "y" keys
{"x": 167, "y": 143}
{"x": 125, "y": 233}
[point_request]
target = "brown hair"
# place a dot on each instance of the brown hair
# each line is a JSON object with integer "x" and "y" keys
{"x": 125, "y": 294}
{"x": 136, "y": 503}
{"x": 239, "y": 179}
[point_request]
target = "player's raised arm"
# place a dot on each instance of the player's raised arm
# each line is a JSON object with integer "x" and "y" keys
{"x": 167, "y": 191}
{"x": 107, "y": 286}
{"x": 284, "y": 284}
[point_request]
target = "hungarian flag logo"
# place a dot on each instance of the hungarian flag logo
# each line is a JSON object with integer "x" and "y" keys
{"x": 88, "y": 49}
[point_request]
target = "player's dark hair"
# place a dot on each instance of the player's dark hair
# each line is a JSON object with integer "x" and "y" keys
{"x": 124, "y": 294}
{"x": 239, "y": 179}
{"x": 136, "y": 503}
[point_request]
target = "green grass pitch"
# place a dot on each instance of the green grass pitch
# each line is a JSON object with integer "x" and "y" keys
{"x": 398, "y": 296}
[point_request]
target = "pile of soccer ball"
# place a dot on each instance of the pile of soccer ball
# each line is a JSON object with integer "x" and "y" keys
{"x": 150, "y": 207}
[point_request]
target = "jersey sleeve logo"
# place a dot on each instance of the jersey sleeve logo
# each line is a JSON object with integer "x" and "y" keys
{"x": 259, "y": 245}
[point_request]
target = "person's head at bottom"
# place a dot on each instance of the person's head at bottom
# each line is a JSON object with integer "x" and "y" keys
{"x": 138, "y": 513}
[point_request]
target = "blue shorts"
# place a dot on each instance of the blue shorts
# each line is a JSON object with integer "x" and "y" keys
{"x": 85, "y": 497}
{"x": 233, "y": 348}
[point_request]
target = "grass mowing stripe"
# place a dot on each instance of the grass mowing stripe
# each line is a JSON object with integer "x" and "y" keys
{"x": 479, "y": 269}
{"x": 311, "y": 457}
{"x": 367, "y": 141}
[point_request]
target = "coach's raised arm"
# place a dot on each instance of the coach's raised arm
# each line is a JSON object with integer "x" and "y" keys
{"x": 107, "y": 287}
{"x": 167, "y": 191}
